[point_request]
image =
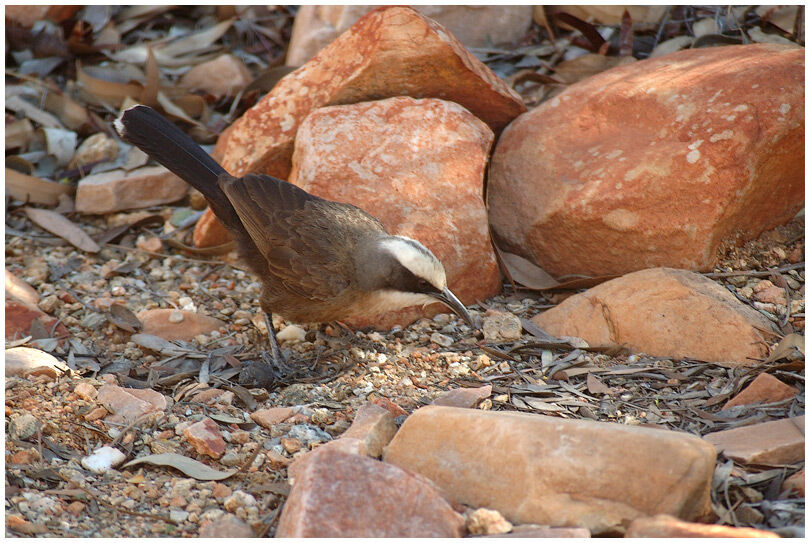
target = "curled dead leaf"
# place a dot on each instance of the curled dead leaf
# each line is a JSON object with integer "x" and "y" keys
{"x": 61, "y": 226}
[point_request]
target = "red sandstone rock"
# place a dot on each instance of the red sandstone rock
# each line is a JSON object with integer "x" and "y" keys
{"x": 794, "y": 485}
{"x": 26, "y": 15}
{"x": 267, "y": 418}
{"x": 669, "y": 526}
{"x": 374, "y": 427}
{"x": 545, "y": 470}
{"x": 344, "y": 495}
{"x": 117, "y": 190}
{"x": 392, "y": 51}
{"x": 130, "y": 404}
{"x": 23, "y": 361}
{"x": 225, "y": 526}
{"x": 176, "y": 324}
{"x": 654, "y": 163}
{"x": 464, "y": 397}
{"x": 417, "y": 165}
{"x": 206, "y": 438}
{"x": 663, "y": 312}
{"x": 475, "y": 26}
{"x": 20, "y": 316}
{"x": 21, "y": 291}
{"x": 764, "y": 389}
{"x": 771, "y": 443}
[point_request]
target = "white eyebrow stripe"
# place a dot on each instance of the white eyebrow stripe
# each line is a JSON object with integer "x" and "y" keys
{"x": 417, "y": 258}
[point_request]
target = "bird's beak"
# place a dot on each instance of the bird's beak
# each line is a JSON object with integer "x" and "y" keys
{"x": 449, "y": 299}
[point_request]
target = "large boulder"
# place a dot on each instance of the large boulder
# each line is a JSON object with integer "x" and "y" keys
{"x": 664, "y": 312}
{"x": 475, "y": 26}
{"x": 536, "y": 469}
{"x": 655, "y": 163}
{"x": 417, "y": 165}
{"x": 392, "y": 51}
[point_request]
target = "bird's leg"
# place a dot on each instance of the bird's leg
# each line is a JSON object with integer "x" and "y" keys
{"x": 271, "y": 334}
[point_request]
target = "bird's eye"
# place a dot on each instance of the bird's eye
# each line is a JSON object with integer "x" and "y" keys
{"x": 423, "y": 284}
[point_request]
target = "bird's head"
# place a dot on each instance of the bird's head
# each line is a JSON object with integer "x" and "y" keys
{"x": 405, "y": 273}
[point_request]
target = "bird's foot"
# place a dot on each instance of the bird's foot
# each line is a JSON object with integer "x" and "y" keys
{"x": 270, "y": 370}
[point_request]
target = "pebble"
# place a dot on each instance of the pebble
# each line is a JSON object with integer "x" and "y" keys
{"x": 23, "y": 427}
{"x": 308, "y": 434}
{"x": 237, "y": 500}
{"x": 487, "y": 522}
{"x": 291, "y": 334}
{"x": 441, "y": 339}
{"x": 103, "y": 459}
{"x": 178, "y": 516}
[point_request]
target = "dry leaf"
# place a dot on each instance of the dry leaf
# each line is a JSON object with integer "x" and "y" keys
{"x": 157, "y": 344}
{"x": 101, "y": 83}
{"x": 123, "y": 318}
{"x": 595, "y": 386}
{"x": 19, "y": 105}
{"x": 789, "y": 347}
{"x": 527, "y": 273}
{"x": 19, "y": 134}
{"x": 33, "y": 189}
{"x": 187, "y": 465}
{"x": 72, "y": 114}
{"x": 59, "y": 225}
{"x": 60, "y": 144}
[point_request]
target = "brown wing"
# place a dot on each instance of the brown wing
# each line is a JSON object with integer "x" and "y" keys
{"x": 307, "y": 241}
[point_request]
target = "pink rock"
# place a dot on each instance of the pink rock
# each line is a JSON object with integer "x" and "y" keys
{"x": 316, "y": 27}
{"x": 117, "y": 190}
{"x": 374, "y": 427}
{"x": 392, "y": 51}
{"x": 794, "y": 485}
{"x": 771, "y": 443}
{"x": 85, "y": 391}
{"x": 20, "y": 316}
{"x": 130, "y": 404}
{"x": 536, "y": 469}
{"x": 224, "y": 76}
{"x": 655, "y": 163}
{"x": 417, "y": 165}
{"x": 669, "y": 526}
{"x": 344, "y": 495}
{"x": 25, "y": 361}
{"x": 464, "y": 397}
{"x": 267, "y": 418}
{"x": 663, "y": 312}
{"x": 177, "y": 324}
{"x": 764, "y": 389}
{"x": 536, "y": 531}
{"x": 21, "y": 291}
{"x": 206, "y": 438}
{"x": 225, "y": 526}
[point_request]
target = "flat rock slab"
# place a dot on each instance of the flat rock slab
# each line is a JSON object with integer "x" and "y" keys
{"x": 337, "y": 494}
{"x": 464, "y": 397}
{"x": 764, "y": 389}
{"x": 21, "y": 361}
{"x": 130, "y": 404}
{"x": 669, "y": 526}
{"x": 118, "y": 190}
{"x": 655, "y": 163}
{"x": 663, "y": 312}
{"x": 418, "y": 166}
{"x": 545, "y": 470}
{"x": 777, "y": 442}
{"x": 21, "y": 315}
{"x": 174, "y": 324}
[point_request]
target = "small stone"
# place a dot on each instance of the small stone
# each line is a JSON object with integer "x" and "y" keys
{"x": 441, "y": 339}
{"x": 668, "y": 526}
{"x": 96, "y": 414}
{"x": 213, "y": 395}
{"x": 292, "y": 333}
{"x": 464, "y": 397}
{"x": 129, "y": 404}
{"x": 502, "y": 326}
{"x": 25, "y": 457}
{"x": 118, "y": 190}
{"x": 48, "y": 303}
{"x": 206, "y": 438}
{"x": 149, "y": 243}
{"x": 85, "y": 391}
{"x": 238, "y": 499}
{"x": 225, "y": 526}
{"x": 96, "y": 149}
{"x": 221, "y": 491}
{"x": 230, "y": 459}
{"x": 487, "y": 522}
{"x": 291, "y": 445}
{"x": 772, "y": 295}
{"x": 178, "y": 516}
{"x": 174, "y": 324}
{"x": 93, "y": 321}
{"x": 76, "y": 508}
{"x": 771, "y": 443}
{"x": 103, "y": 459}
{"x": 764, "y": 389}
{"x": 268, "y": 418}
{"x": 23, "y": 426}
{"x": 374, "y": 426}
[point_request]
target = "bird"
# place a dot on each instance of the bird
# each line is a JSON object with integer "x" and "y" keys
{"x": 317, "y": 260}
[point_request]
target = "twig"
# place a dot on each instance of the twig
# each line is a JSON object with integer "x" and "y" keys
{"x": 754, "y": 273}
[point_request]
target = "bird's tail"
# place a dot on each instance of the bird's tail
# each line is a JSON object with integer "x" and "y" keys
{"x": 153, "y": 134}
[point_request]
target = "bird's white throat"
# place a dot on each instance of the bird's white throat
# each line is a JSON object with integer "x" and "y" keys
{"x": 382, "y": 301}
